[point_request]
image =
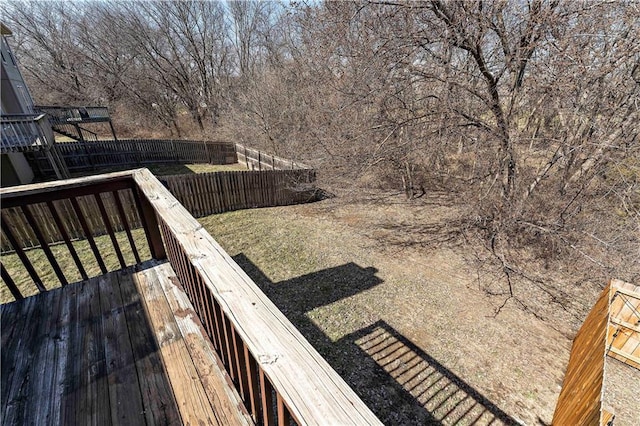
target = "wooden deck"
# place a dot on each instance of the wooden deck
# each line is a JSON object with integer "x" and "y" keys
{"x": 122, "y": 348}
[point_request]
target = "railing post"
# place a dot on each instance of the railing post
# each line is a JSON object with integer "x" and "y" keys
{"x": 150, "y": 225}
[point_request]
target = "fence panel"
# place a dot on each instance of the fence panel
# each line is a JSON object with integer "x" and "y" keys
{"x": 206, "y": 193}
{"x": 86, "y": 156}
{"x": 258, "y": 160}
{"x": 273, "y": 181}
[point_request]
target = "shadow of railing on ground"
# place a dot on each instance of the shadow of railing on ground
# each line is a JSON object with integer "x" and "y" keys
{"x": 448, "y": 398}
{"x": 400, "y": 382}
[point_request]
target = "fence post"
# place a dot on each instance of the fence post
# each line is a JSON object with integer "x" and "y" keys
{"x": 136, "y": 148}
{"x": 206, "y": 150}
{"x": 260, "y": 160}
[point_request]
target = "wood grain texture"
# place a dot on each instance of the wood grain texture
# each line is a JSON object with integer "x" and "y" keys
{"x": 311, "y": 389}
{"x": 155, "y": 389}
{"x": 89, "y": 354}
{"x": 235, "y": 190}
{"x": 126, "y": 406}
{"x": 623, "y": 338}
{"x": 611, "y": 328}
{"x": 580, "y": 400}
{"x": 192, "y": 400}
{"x": 225, "y": 401}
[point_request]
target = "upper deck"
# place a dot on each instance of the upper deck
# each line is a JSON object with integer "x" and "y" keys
{"x": 69, "y": 353}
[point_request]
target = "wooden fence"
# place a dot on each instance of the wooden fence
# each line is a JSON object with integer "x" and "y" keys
{"x": 208, "y": 193}
{"x": 258, "y": 160}
{"x": 87, "y": 156}
{"x": 623, "y": 337}
{"x": 17, "y": 220}
{"x": 202, "y": 194}
{"x": 580, "y": 400}
{"x": 610, "y": 329}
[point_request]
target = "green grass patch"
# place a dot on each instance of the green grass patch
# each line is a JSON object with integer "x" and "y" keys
{"x": 178, "y": 169}
{"x": 45, "y": 271}
{"x": 272, "y": 242}
{"x": 170, "y": 169}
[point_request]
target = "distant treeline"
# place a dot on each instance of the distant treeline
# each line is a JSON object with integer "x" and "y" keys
{"x": 529, "y": 109}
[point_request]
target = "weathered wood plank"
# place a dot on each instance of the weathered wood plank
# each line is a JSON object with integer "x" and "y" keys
{"x": 72, "y": 376}
{"x": 125, "y": 404}
{"x": 19, "y": 325}
{"x": 159, "y": 404}
{"x": 192, "y": 400}
{"x": 312, "y": 390}
{"x": 580, "y": 400}
{"x": 225, "y": 400}
{"x": 59, "y": 360}
{"x": 91, "y": 404}
{"x": 32, "y": 380}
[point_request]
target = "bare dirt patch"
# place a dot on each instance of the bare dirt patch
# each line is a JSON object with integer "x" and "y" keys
{"x": 396, "y": 300}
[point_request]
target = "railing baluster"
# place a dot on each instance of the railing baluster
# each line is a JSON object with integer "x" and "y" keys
{"x": 233, "y": 364}
{"x": 125, "y": 224}
{"x": 193, "y": 287}
{"x": 266, "y": 391}
{"x": 67, "y": 240}
{"x": 253, "y": 403}
{"x": 87, "y": 234}
{"x": 13, "y": 288}
{"x": 220, "y": 328}
{"x": 216, "y": 329}
{"x": 43, "y": 245}
{"x": 109, "y": 228}
{"x": 23, "y": 257}
{"x": 284, "y": 419}
{"x": 206, "y": 313}
{"x": 238, "y": 347}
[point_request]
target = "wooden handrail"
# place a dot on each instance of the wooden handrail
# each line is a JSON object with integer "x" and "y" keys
{"x": 12, "y": 118}
{"x": 248, "y": 328}
{"x": 35, "y": 189}
{"x": 277, "y": 372}
{"x": 24, "y": 132}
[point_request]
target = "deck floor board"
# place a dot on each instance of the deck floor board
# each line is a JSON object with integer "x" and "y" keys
{"x": 126, "y": 406}
{"x": 155, "y": 390}
{"x": 110, "y": 351}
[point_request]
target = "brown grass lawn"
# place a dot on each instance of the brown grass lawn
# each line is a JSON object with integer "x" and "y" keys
{"x": 395, "y": 304}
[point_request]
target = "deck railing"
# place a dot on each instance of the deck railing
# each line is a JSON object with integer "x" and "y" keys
{"x": 64, "y": 114}
{"x": 24, "y": 132}
{"x": 279, "y": 375}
